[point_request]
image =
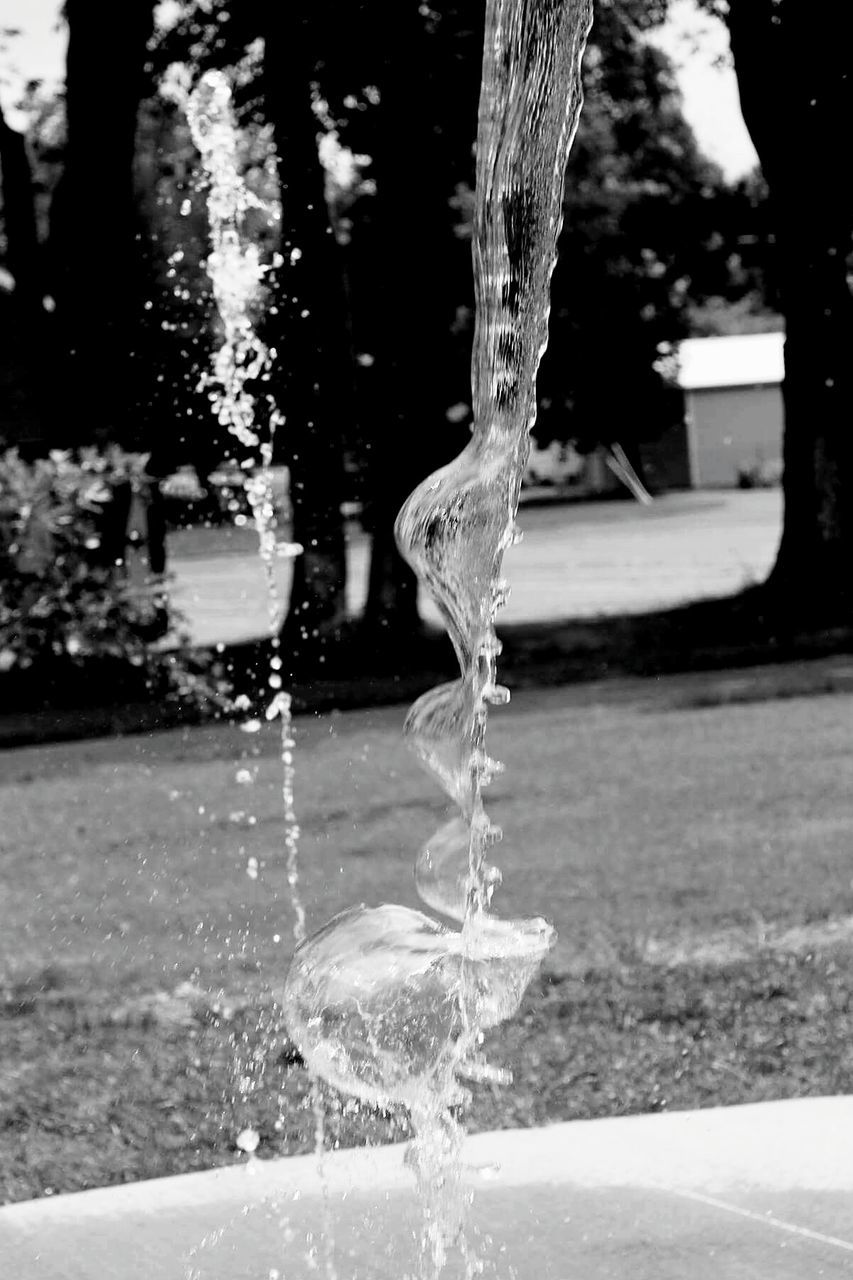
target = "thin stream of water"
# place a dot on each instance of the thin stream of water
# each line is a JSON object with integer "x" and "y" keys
{"x": 236, "y": 275}
{"x": 243, "y": 360}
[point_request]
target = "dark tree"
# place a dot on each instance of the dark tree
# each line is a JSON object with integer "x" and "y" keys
{"x": 97, "y": 277}
{"x": 22, "y": 313}
{"x": 793, "y": 66}
{"x": 313, "y": 379}
{"x": 19, "y": 222}
{"x": 409, "y": 274}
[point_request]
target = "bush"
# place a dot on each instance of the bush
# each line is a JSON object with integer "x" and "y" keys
{"x": 65, "y": 594}
{"x": 761, "y": 474}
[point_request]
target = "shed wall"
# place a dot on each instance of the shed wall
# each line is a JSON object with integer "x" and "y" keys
{"x": 732, "y": 427}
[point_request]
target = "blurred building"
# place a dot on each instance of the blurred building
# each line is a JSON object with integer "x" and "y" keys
{"x": 731, "y": 433}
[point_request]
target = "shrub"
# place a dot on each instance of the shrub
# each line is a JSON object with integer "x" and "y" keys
{"x": 761, "y": 474}
{"x": 65, "y": 593}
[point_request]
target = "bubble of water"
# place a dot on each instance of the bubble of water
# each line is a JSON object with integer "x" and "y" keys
{"x": 378, "y": 999}
{"x": 501, "y": 959}
{"x": 372, "y": 1001}
{"x": 453, "y": 530}
{"x": 435, "y": 729}
{"x": 442, "y": 870}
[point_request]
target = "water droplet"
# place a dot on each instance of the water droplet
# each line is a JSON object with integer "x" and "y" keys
{"x": 280, "y": 706}
{"x": 248, "y": 1140}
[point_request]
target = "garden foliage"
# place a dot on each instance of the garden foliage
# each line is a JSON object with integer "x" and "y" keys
{"x": 66, "y": 589}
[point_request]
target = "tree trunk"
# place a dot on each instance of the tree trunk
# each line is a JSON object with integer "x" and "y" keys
{"x": 793, "y": 67}
{"x": 409, "y": 270}
{"x": 313, "y": 378}
{"x": 97, "y": 279}
{"x": 24, "y": 317}
{"x": 19, "y": 216}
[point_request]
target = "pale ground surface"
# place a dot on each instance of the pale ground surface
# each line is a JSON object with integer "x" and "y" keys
{"x": 578, "y": 560}
{"x": 747, "y": 1193}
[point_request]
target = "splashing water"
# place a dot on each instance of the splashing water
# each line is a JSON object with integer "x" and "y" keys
{"x": 241, "y": 362}
{"x": 386, "y": 1003}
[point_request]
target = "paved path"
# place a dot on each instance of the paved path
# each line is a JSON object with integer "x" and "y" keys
{"x": 576, "y": 560}
{"x": 746, "y": 1193}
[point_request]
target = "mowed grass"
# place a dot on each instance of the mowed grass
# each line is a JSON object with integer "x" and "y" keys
{"x": 696, "y": 859}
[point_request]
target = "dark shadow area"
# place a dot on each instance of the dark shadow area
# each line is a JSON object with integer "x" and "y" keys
{"x": 367, "y": 668}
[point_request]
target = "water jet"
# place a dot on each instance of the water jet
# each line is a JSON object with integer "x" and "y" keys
{"x": 385, "y": 1003}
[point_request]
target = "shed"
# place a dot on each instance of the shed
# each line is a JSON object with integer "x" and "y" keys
{"x": 733, "y": 415}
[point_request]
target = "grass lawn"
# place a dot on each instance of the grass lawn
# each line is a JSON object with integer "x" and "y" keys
{"x": 696, "y": 859}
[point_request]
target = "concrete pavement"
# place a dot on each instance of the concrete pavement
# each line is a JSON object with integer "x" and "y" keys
{"x": 578, "y": 560}
{"x": 761, "y": 1192}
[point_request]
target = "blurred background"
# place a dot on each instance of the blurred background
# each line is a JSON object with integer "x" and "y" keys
{"x": 683, "y": 260}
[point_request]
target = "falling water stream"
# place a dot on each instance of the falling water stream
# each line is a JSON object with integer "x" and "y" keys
{"x": 386, "y": 1003}
{"x": 242, "y": 361}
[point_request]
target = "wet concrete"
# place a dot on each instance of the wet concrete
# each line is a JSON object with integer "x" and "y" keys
{"x": 760, "y": 1192}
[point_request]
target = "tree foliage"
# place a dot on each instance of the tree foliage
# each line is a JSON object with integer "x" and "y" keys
{"x": 61, "y": 592}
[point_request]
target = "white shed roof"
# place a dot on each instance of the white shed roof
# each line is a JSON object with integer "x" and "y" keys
{"x": 742, "y": 360}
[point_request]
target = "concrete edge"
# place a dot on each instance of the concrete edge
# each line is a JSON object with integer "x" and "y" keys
{"x": 795, "y": 1145}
